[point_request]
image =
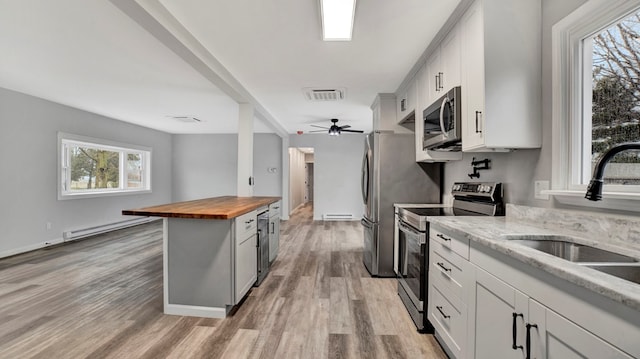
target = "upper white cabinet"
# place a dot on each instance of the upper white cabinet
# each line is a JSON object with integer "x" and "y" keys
{"x": 406, "y": 101}
{"x": 384, "y": 114}
{"x": 501, "y": 75}
{"x": 443, "y": 67}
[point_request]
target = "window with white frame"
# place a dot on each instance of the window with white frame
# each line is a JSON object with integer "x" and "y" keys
{"x": 90, "y": 167}
{"x": 596, "y": 98}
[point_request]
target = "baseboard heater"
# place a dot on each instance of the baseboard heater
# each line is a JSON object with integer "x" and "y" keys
{"x": 92, "y": 231}
{"x": 337, "y": 217}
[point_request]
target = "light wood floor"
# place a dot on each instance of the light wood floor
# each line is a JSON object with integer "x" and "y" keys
{"x": 102, "y": 298}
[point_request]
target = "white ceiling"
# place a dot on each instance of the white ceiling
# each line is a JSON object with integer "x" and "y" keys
{"x": 98, "y": 57}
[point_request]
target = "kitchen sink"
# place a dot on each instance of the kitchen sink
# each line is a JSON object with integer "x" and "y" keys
{"x": 564, "y": 248}
{"x": 627, "y": 272}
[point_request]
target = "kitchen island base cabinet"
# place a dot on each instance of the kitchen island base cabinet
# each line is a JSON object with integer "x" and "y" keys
{"x": 209, "y": 265}
{"x": 274, "y": 230}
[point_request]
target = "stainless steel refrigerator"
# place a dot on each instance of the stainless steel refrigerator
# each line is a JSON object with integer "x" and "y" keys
{"x": 391, "y": 175}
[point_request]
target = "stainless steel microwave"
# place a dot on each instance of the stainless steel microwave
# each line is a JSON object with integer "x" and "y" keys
{"x": 442, "y": 123}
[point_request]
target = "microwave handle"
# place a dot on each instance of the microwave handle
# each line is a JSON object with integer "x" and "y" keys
{"x": 444, "y": 103}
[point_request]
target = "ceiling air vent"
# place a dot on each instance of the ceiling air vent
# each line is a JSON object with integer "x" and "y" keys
{"x": 324, "y": 94}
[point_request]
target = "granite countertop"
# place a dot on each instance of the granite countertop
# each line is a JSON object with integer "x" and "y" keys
{"x": 494, "y": 232}
{"x": 225, "y": 207}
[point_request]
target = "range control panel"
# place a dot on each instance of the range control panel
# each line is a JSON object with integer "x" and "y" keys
{"x": 489, "y": 190}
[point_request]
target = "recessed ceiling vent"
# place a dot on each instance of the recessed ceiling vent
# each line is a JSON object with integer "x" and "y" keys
{"x": 324, "y": 94}
{"x": 189, "y": 119}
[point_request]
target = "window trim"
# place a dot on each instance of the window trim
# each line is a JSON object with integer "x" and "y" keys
{"x": 567, "y": 104}
{"x": 106, "y": 144}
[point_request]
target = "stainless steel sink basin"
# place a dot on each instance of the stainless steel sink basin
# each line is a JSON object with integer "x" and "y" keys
{"x": 628, "y": 272}
{"x": 560, "y": 247}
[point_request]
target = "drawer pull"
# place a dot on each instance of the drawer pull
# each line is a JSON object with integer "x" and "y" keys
{"x": 249, "y": 221}
{"x": 514, "y": 331}
{"x": 439, "y": 308}
{"x": 440, "y": 235}
{"x": 441, "y": 265}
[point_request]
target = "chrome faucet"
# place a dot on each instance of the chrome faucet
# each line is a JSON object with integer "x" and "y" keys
{"x": 594, "y": 190}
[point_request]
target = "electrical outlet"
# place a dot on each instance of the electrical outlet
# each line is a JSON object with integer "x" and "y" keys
{"x": 540, "y": 186}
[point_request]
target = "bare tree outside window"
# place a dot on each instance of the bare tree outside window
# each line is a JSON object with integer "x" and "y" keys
{"x": 93, "y": 168}
{"x": 616, "y": 98}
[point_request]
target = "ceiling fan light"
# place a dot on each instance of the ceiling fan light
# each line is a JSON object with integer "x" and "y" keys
{"x": 337, "y": 19}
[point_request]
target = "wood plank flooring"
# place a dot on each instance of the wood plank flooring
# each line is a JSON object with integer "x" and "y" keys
{"x": 102, "y": 298}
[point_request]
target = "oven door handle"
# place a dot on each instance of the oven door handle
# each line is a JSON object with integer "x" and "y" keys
{"x": 408, "y": 229}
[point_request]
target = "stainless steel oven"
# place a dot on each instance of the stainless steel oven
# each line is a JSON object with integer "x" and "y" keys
{"x": 413, "y": 240}
{"x": 412, "y": 260}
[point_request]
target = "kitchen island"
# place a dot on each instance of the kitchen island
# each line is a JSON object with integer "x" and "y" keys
{"x": 209, "y": 252}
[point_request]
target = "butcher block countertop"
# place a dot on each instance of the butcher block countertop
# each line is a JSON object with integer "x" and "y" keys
{"x": 226, "y": 207}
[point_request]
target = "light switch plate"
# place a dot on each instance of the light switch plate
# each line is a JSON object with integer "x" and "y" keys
{"x": 540, "y": 186}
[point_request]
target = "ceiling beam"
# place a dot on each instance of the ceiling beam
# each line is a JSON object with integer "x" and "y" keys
{"x": 161, "y": 24}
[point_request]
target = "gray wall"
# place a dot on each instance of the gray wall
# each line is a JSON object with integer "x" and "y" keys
{"x": 520, "y": 169}
{"x": 337, "y": 165}
{"x": 204, "y": 166}
{"x": 207, "y": 165}
{"x": 29, "y": 157}
{"x": 267, "y": 154}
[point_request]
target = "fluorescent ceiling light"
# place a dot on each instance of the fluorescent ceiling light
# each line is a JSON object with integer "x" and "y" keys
{"x": 337, "y": 19}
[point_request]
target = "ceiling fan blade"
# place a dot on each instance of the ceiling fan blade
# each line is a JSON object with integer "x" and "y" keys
{"x": 326, "y": 128}
{"x": 345, "y": 126}
{"x": 355, "y": 131}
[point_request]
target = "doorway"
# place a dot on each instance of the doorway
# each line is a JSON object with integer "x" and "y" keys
{"x": 308, "y": 178}
{"x": 301, "y": 177}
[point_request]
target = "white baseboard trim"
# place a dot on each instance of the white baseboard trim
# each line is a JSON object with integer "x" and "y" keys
{"x": 92, "y": 231}
{"x": 195, "y": 311}
{"x": 29, "y": 248}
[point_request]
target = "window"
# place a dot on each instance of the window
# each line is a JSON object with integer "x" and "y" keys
{"x": 596, "y": 97}
{"x": 91, "y": 167}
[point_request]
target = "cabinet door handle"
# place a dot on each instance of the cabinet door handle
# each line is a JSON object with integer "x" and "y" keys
{"x": 436, "y": 83}
{"x": 439, "y": 308}
{"x": 273, "y": 228}
{"x": 478, "y": 114}
{"x": 514, "y": 331}
{"x": 440, "y": 86}
{"x": 439, "y": 235}
{"x": 403, "y": 105}
{"x": 529, "y": 326}
{"x": 441, "y": 265}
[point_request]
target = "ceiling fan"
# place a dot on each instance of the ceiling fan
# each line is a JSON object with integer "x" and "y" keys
{"x": 335, "y": 130}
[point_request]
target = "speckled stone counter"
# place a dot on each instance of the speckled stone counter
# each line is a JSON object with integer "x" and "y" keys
{"x": 618, "y": 234}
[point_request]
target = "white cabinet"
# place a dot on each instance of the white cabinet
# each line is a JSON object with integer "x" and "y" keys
{"x": 406, "y": 102}
{"x": 246, "y": 255}
{"x": 509, "y": 324}
{"x": 274, "y": 230}
{"x": 443, "y": 67}
{"x": 501, "y": 75}
{"x": 553, "y": 336}
{"x": 449, "y": 282}
{"x": 500, "y": 313}
{"x": 513, "y": 310}
{"x": 385, "y": 115}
